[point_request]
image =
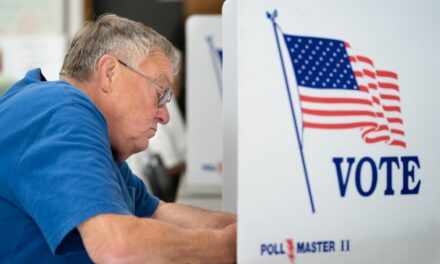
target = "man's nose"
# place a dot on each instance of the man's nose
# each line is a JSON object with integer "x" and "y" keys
{"x": 162, "y": 115}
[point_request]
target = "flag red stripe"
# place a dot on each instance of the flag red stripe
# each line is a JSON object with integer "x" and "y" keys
{"x": 372, "y": 86}
{"x": 387, "y": 74}
{"x": 363, "y": 88}
{"x": 358, "y": 74}
{"x": 395, "y": 120}
{"x": 335, "y": 100}
{"x": 390, "y": 97}
{"x": 378, "y": 139}
{"x": 398, "y": 131}
{"x": 388, "y": 86}
{"x": 376, "y": 100}
{"x": 338, "y": 126}
{"x": 375, "y": 129}
{"x": 337, "y": 113}
{"x": 365, "y": 59}
{"x": 369, "y": 73}
{"x": 391, "y": 108}
{"x": 398, "y": 143}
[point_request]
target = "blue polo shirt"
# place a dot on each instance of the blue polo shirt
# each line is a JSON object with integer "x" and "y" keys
{"x": 56, "y": 171}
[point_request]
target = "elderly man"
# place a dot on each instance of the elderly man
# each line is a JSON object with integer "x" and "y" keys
{"x": 66, "y": 193}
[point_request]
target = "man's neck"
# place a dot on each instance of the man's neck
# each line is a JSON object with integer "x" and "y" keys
{"x": 87, "y": 87}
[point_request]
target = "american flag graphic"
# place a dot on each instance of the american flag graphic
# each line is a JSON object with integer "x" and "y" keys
{"x": 220, "y": 55}
{"x": 217, "y": 62}
{"x": 341, "y": 90}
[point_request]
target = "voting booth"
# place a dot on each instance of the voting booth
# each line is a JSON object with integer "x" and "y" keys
{"x": 204, "y": 101}
{"x": 331, "y": 121}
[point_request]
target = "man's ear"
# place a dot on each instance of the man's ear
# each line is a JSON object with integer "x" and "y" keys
{"x": 107, "y": 72}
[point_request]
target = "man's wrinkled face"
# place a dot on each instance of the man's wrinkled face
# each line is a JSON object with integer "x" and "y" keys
{"x": 137, "y": 111}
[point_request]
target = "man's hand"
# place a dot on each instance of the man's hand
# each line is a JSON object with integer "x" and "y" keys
{"x": 187, "y": 216}
{"x": 230, "y": 232}
{"x": 113, "y": 238}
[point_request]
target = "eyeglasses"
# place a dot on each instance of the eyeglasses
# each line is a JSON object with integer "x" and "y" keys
{"x": 165, "y": 94}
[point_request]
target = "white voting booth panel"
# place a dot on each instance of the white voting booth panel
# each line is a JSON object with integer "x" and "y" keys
{"x": 204, "y": 100}
{"x": 331, "y": 108}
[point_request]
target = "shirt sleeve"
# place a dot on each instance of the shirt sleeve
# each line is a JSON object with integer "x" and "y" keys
{"x": 67, "y": 173}
{"x": 145, "y": 202}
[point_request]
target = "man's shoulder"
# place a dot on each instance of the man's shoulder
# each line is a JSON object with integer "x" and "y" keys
{"x": 34, "y": 96}
{"x": 55, "y": 93}
{"x": 35, "y": 85}
{"x": 47, "y": 107}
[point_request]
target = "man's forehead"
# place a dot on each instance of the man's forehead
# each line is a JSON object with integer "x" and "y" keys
{"x": 161, "y": 65}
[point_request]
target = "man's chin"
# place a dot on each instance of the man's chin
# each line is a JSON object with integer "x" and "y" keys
{"x": 152, "y": 134}
{"x": 141, "y": 147}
